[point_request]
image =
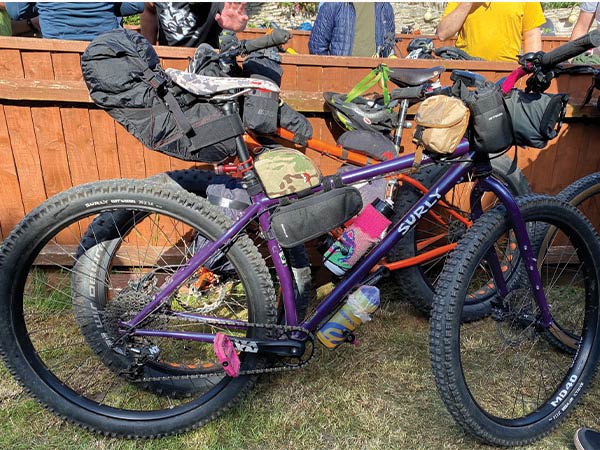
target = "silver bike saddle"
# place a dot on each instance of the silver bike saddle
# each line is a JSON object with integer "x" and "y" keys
{"x": 207, "y": 86}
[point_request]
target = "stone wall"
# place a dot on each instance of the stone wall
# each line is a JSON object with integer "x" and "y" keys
{"x": 418, "y": 16}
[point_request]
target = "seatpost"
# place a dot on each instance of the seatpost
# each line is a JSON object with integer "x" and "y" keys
{"x": 250, "y": 181}
{"x": 401, "y": 118}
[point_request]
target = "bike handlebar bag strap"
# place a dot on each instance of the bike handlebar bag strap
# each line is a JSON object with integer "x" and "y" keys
{"x": 261, "y": 107}
{"x": 491, "y": 128}
{"x": 536, "y": 117}
{"x": 123, "y": 74}
{"x": 441, "y": 123}
{"x": 310, "y": 217}
{"x": 283, "y": 171}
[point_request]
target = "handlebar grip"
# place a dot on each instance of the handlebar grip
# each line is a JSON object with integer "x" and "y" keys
{"x": 571, "y": 49}
{"x": 276, "y": 38}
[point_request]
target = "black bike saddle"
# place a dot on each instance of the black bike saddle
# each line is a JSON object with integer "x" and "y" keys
{"x": 414, "y": 77}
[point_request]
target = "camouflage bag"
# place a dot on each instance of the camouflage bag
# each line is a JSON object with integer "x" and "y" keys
{"x": 284, "y": 171}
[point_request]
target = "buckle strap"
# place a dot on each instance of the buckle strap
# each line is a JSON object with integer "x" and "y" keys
{"x": 158, "y": 83}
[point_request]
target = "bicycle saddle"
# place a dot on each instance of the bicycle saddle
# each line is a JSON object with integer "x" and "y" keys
{"x": 203, "y": 85}
{"x": 360, "y": 113}
{"x": 414, "y": 77}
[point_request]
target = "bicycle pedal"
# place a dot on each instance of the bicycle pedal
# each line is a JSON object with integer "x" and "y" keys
{"x": 226, "y": 354}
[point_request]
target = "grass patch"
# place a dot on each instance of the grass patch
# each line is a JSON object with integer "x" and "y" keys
{"x": 378, "y": 395}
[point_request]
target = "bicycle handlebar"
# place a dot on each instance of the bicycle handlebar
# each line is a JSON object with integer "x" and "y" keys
{"x": 571, "y": 49}
{"x": 275, "y": 39}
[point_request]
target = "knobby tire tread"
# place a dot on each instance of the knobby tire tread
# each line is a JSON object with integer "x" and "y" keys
{"x": 25, "y": 375}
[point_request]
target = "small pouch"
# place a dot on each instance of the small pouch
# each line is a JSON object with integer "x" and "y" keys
{"x": 441, "y": 124}
{"x": 315, "y": 215}
{"x": 491, "y": 128}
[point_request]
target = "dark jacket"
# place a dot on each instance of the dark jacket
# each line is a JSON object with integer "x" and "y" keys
{"x": 81, "y": 21}
{"x": 333, "y": 31}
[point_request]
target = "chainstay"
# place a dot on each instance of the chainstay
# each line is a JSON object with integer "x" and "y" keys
{"x": 221, "y": 372}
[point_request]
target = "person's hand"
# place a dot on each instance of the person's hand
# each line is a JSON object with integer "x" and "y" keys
{"x": 233, "y": 16}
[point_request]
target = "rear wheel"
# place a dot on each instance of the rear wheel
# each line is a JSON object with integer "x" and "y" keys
{"x": 69, "y": 346}
{"x": 441, "y": 228}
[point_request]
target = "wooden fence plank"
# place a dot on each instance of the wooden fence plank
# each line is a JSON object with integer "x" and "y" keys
{"x": 10, "y": 64}
{"x": 79, "y": 144}
{"x": 12, "y": 209}
{"x": 37, "y": 66}
{"x": 67, "y": 66}
{"x": 131, "y": 158}
{"x": 53, "y": 153}
{"x": 26, "y": 155}
{"x": 105, "y": 144}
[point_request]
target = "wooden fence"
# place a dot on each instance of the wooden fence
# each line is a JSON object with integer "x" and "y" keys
{"x": 52, "y": 137}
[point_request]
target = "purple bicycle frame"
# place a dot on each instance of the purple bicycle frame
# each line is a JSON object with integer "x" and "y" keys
{"x": 260, "y": 207}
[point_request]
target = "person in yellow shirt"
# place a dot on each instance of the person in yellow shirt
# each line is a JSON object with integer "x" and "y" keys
{"x": 493, "y": 31}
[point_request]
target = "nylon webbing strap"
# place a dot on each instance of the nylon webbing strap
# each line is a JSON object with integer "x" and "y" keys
{"x": 216, "y": 131}
{"x": 380, "y": 73}
{"x": 158, "y": 83}
{"x": 226, "y": 202}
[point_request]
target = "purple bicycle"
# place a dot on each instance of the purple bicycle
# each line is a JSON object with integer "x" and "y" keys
{"x": 207, "y": 303}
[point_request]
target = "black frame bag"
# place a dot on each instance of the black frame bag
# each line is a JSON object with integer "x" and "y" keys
{"x": 123, "y": 74}
{"x": 536, "y": 117}
{"x": 310, "y": 217}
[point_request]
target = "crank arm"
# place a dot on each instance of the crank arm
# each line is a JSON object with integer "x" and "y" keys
{"x": 288, "y": 347}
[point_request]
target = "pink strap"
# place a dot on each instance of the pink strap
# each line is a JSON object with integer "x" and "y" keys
{"x": 512, "y": 79}
{"x": 227, "y": 355}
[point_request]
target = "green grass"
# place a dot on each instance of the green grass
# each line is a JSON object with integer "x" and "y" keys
{"x": 378, "y": 395}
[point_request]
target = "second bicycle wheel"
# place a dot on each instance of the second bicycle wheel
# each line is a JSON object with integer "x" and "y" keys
{"x": 112, "y": 381}
{"x": 507, "y": 379}
{"x": 584, "y": 194}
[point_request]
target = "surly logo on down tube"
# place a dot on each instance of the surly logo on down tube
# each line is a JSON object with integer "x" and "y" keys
{"x": 432, "y": 198}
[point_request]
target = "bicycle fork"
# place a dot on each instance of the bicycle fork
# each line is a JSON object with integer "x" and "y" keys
{"x": 528, "y": 257}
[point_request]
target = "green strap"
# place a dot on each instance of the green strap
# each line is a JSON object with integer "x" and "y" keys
{"x": 379, "y": 73}
{"x": 385, "y": 76}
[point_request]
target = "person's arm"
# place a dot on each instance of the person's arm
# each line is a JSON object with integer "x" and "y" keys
{"x": 130, "y": 8}
{"x": 233, "y": 16}
{"x": 583, "y": 24}
{"x": 390, "y": 19}
{"x": 149, "y": 23}
{"x": 21, "y": 10}
{"x": 453, "y": 22}
{"x": 532, "y": 40}
{"x": 24, "y": 19}
{"x": 320, "y": 35}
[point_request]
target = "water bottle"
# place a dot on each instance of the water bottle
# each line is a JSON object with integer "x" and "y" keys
{"x": 359, "y": 237}
{"x": 355, "y": 311}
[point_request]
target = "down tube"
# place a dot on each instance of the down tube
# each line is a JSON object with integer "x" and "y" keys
{"x": 397, "y": 232}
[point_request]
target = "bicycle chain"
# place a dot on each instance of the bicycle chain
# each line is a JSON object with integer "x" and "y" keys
{"x": 284, "y": 328}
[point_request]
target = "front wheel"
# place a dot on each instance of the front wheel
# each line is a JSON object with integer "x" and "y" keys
{"x": 507, "y": 379}
{"x": 114, "y": 382}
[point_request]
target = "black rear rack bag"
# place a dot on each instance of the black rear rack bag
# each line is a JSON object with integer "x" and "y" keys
{"x": 123, "y": 74}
